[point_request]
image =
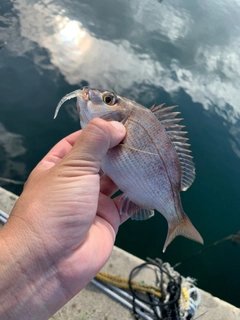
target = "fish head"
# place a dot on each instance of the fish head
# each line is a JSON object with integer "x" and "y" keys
{"x": 94, "y": 103}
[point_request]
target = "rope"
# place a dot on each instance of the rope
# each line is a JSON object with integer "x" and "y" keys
{"x": 166, "y": 307}
{"x": 172, "y": 298}
{"x": 124, "y": 284}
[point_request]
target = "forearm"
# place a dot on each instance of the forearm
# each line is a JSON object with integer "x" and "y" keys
{"x": 35, "y": 279}
{"x": 29, "y": 286}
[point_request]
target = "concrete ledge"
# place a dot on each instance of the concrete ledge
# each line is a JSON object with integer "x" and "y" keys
{"x": 7, "y": 200}
{"x": 92, "y": 304}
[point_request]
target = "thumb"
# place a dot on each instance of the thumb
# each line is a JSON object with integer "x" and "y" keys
{"x": 93, "y": 144}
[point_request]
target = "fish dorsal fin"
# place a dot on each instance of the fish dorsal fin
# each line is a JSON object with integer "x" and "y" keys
{"x": 173, "y": 129}
{"x": 133, "y": 210}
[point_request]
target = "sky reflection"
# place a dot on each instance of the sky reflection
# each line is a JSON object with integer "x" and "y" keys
{"x": 212, "y": 79}
{"x": 211, "y": 75}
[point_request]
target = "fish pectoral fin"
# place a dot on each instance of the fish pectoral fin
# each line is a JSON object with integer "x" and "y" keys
{"x": 137, "y": 150}
{"x": 133, "y": 210}
{"x": 184, "y": 228}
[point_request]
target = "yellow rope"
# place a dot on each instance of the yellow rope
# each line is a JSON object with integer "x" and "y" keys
{"x": 123, "y": 284}
{"x": 185, "y": 296}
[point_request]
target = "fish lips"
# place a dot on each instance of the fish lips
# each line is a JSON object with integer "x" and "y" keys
{"x": 92, "y": 95}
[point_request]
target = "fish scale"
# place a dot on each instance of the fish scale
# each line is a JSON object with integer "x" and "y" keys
{"x": 151, "y": 165}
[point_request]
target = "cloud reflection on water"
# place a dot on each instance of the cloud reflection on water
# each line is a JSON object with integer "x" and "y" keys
{"x": 165, "y": 19}
{"x": 214, "y": 80}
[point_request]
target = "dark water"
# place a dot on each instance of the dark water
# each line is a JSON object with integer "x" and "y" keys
{"x": 178, "y": 52}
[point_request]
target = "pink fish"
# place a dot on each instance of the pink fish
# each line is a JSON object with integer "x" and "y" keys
{"x": 153, "y": 162}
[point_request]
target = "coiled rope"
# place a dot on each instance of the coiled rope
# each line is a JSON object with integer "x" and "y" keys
{"x": 171, "y": 297}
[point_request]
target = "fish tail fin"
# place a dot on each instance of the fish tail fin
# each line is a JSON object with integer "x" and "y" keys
{"x": 184, "y": 228}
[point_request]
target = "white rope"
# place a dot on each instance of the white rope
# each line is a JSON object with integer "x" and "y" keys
{"x": 3, "y": 216}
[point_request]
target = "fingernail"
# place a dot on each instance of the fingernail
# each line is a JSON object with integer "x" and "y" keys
{"x": 120, "y": 127}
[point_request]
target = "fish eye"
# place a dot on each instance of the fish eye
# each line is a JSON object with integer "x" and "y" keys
{"x": 109, "y": 98}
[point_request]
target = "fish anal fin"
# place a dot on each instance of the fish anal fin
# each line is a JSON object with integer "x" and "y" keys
{"x": 184, "y": 228}
{"x": 133, "y": 210}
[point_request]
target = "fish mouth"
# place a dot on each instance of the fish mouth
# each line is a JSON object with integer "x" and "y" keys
{"x": 85, "y": 94}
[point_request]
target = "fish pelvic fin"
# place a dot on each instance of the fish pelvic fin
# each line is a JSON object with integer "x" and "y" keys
{"x": 184, "y": 228}
{"x": 135, "y": 211}
{"x": 142, "y": 214}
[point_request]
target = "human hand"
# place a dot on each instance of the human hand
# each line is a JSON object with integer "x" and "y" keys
{"x": 62, "y": 228}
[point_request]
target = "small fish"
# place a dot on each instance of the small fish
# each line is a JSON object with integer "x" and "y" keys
{"x": 151, "y": 165}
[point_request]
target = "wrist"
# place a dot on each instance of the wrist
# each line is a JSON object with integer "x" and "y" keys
{"x": 28, "y": 279}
